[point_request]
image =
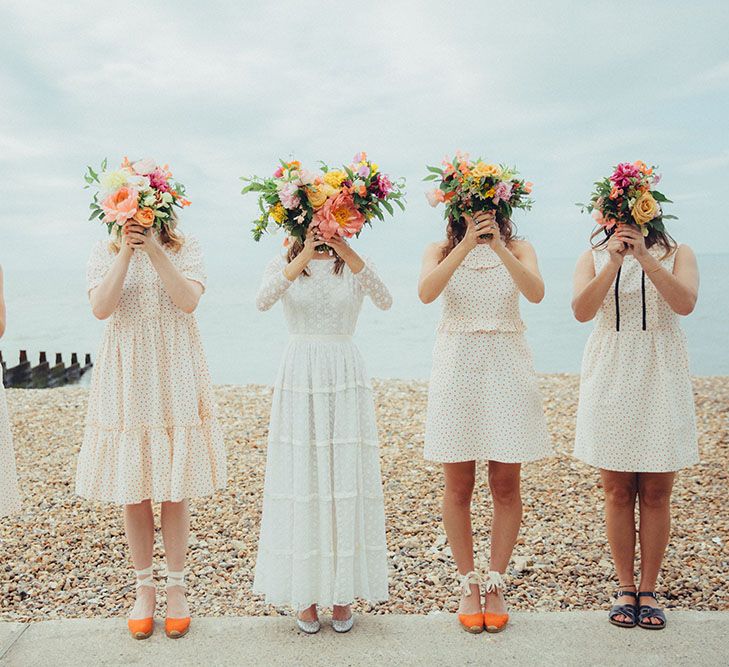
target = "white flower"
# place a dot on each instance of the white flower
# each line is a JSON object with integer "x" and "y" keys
{"x": 145, "y": 166}
{"x": 111, "y": 181}
{"x": 139, "y": 182}
{"x": 167, "y": 197}
{"x": 149, "y": 200}
{"x": 303, "y": 177}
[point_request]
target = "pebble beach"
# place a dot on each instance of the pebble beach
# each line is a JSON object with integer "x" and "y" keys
{"x": 64, "y": 557}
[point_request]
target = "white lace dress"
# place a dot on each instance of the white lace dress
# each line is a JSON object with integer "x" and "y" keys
{"x": 323, "y": 526}
{"x": 9, "y": 495}
{"x": 483, "y": 399}
{"x": 151, "y": 430}
{"x": 636, "y": 410}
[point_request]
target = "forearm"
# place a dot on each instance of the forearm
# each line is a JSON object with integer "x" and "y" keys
{"x": 185, "y": 293}
{"x": 586, "y": 304}
{"x": 530, "y": 284}
{"x": 296, "y": 266}
{"x": 106, "y": 296}
{"x": 2, "y": 318}
{"x": 680, "y": 297}
{"x": 434, "y": 282}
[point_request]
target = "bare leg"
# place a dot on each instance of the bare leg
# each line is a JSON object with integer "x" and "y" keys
{"x": 309, "y": 614}
{"x": 654, "y": 496}
{"x": 139, "y": 527}
{"x": 175, "y": 533}
{"x": 504, "y": 483}
{"x": 341, "y": 612}
{"x": 459, "y": 482}
{"x": 620, "y": 492}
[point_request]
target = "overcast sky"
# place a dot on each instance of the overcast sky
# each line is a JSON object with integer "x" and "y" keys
{"x": 563, "y": 90}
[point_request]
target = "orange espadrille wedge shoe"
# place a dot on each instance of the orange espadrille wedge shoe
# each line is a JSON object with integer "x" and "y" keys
{"x": 142, "y": 628}
{"x": 493, "y": 583}
{"x": 472, "y": 623}
{"x": 176, "y": 627}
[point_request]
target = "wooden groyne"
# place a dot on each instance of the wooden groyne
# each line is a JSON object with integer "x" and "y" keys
{"x": 44, "y": 374}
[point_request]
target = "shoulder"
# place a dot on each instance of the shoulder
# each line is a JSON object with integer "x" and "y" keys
{"x": 434, "y": 249}
{"x": 190, "y": 242}
{"x": 684, "y": 251}
{"x": 101, "y": 249}
{"x": 521, "y": 248}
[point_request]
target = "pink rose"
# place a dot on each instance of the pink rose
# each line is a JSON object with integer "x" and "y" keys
{"x": 502, "y": 191}
{"x": 120, "y": 206}
{"x": 288, "y": 194}
{"x": 278, "y": 173}
{"x": 339, "y": 216}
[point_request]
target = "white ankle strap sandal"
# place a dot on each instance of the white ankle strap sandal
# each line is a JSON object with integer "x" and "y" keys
{"x": 144, "y": 577}
{"x": 494, "y": 581}
{"x": 470, "y": 579}
{"x": 176, "y": 579}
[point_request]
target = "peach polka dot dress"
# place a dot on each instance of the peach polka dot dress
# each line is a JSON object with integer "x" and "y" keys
{"x": 483, "y": 400}
{"x": 636, "y": 407}
{"x": 151, "y": 430}
{"x": 9, "y": 494}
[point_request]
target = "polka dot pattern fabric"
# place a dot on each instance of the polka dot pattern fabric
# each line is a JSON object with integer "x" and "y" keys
{"x": 9, "y": 494}
{"x": 636, "y": 408}
{"x": 151, "y": 429}
{"x": 322, "y": 534}
{"x": 483, "y": 399}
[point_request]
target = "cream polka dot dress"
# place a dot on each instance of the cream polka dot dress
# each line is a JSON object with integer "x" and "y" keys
{"x": 636, "y": 408}
{"x": 9, "y": 495}
{"x": 483, "y": 399}
{"x": 151, "y": 430}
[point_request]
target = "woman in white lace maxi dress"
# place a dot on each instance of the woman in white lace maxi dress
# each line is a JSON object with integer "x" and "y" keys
{"x": 322, "y": 539}
{"x": 483, "y": 401}
{"x": 9, "y": 496}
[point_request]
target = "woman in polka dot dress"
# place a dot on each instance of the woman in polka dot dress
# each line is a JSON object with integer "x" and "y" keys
{"x": 635, "y": 420}
{"x": 483, "y": 401}
{"x": 322, "y": 539}
{"x": 151, "y": 431}
{"x": 9, "y": 495}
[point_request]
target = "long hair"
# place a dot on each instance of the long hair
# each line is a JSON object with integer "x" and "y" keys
{"x": 661, "y": 239}
{"x": 168, "y": 235}
{"x": 296, "y": 246}
{"x": 456, "y": 230}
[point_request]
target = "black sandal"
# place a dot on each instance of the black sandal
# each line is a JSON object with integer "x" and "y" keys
{"x": 646, "y": 612}
{"x": 628, "y": 610}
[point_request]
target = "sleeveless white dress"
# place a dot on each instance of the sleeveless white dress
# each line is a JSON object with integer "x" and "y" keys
{"x": 322, "y": 534}
{"x": 9, "y": 494}
{"x": 151, "y": 429}
{"x": 483, "y": 399}
{"x": 636, "y": 407}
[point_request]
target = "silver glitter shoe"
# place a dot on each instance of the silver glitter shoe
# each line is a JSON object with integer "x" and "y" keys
{"x": 309, "y": 627}
{"x": 343, "y": 626}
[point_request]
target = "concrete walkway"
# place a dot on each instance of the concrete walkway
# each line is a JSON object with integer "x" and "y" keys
{"x": 567, "y": 638}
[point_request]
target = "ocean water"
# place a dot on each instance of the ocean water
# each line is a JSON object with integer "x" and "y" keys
{"x": 48, "y": 310}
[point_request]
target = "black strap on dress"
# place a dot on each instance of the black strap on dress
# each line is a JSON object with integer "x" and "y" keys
{"x": 617, "y": 299}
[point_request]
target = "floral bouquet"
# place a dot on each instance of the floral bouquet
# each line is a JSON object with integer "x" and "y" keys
{"x": 338, "y": 202}
{"x": 629, "y": 196}
{"x": 467, "y": 186}
{"x": 141, "y": 191}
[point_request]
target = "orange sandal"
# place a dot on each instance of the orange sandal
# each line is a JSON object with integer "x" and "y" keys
{"x": 142, "y": 628}
{"x": 494, "y": 622}
{"x": 176, "y": 627}
{"x": 472, "y": 623}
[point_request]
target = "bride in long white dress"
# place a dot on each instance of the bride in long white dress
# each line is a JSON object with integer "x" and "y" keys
{"x": 322, "y": 540}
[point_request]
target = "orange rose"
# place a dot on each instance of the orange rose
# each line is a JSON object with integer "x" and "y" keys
{"x": 145, "y": 217}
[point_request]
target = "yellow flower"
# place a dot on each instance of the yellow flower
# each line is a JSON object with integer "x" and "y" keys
{"x": 375, "y": 168}
{"x": 335, "y": 178}
{"x": 490, "y": 192}
{"x": 645, "y": 209}
{"x": 481, "y": 170}
{"x": 278, "y": 213}
{"x": 318, "y": 194}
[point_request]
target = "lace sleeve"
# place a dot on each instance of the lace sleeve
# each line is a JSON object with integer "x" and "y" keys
{"x": 371, "y": 284}
{"x": 274, "y": 284}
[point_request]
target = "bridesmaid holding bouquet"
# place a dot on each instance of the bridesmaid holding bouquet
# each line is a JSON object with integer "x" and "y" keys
{"x": 9, "y": 494}
{"x": 322, "y": 540}
{"x": 151, "y": 431}
{"x": 635, "y": 420}
{"x": 483, "y": 399}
